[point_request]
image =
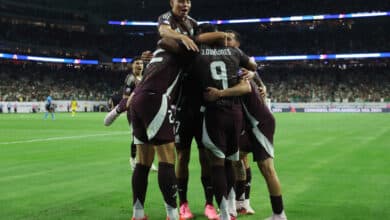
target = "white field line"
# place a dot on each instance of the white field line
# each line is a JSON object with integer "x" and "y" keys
{"x": 63, "y": 138}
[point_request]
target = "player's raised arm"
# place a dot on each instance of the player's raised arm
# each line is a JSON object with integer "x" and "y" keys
{"x": 167, "y": 32}
{"x": 211, "y": 37}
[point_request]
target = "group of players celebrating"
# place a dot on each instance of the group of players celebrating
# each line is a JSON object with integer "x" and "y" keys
{"x": 199, "y": 84}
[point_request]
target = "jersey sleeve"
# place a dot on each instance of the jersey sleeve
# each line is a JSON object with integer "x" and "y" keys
{"x": 244, "y": 59}
{"x": 164, "y": 19}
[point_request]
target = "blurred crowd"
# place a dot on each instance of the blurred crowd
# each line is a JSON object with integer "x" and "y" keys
{"x": 34, "y": 82}
{"x": 328, "y": 84}
{"x": 303, "y": 83}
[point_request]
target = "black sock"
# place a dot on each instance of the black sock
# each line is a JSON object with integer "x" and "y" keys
{"x": 182, "y": 185}
{"x": 133, "y": 149}
{"x": 167, "y": 183}
{"x": 277, "y": 204}
{"x": 248, "y": 183}
{"x": 140, "y": 183}
{"x": 240, "y": 189}
{"x": 230, "y": 180}
{"x": 208, "y": 189}
{"x": 219, "y": 183}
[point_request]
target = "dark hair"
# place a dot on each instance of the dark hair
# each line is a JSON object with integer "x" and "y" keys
{"x": 135, "y": 59}
{"x": 206, "y": 28}
{"x": 237, "y": 36}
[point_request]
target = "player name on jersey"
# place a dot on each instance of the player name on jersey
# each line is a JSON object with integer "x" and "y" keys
{"x": 215, "y": 52}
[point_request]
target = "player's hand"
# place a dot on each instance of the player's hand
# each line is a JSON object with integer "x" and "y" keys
{"x": 211, "y": 94}
{"x": 146, "y": 56}
{"x": 247, "y": 74}
{"x": 189, "y": 43}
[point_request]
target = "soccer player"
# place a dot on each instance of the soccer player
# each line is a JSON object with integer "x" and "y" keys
{"x": 49, "y": 108}
{"x": 131, "y": 82}
{"x": 242, "y": 168}
{"x": 177, "y": 24}
{"x": 218, "y": 66}
{"x": 260, "y": 135}
{"x": 222, "y": 119}
{"x": 73, "y": 106}
{"x": 152, "y": 120}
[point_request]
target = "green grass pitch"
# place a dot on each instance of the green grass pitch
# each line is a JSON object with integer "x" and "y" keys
{"x": 331, "y": 166}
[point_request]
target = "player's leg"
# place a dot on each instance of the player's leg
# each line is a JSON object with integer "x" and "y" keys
{"x": 116, "y": 111}
{"x": 133, "y": 152}
{"x": 243, "y": 179}
{"x": 183, "y": 159}
{"x": 209, "y": 211}
{"x": 205, "y": 165}
{"x": 183, "y": 138}
{"x": 221, "y": 131}
{"x": 53, "y": 117}
{"x": 182, "y": 174}
{"x": 139, "y": 181}
{"x": 145, "y": 156}
{"x": 133, "y": 147}
{"x": 230, "y": 182}
{"x": 239, "y": 187}
{"x": 219, "y": 184}
{"x": 47, "y": 107}
{"x": 167, "y": 178}
{"x": 263, "y": 153}
{"x": 248, "y": 180}
{"x": 269, "y": 173}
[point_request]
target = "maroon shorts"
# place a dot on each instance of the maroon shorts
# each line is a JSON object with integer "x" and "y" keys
{"x": 221, "y": 130}
{"x": 151, "y": 118}
{"x": 259, "y": 139}
{"x": 188, "y": 124}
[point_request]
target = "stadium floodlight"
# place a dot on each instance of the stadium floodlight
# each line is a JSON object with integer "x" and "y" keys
{"x": 47, "y": 59}
{"x": 299, "y": 57}
{"x": 267, "y": 20}
{"x": 133, "y": 23}
{"x": 122, "y": 60}
{"x": 324, "y": 56}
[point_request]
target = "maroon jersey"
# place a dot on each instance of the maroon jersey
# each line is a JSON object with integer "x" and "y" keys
{"x": 186, "y": 26}
{"x": 131, "y": 82}
{"x": 218, "y": 67}
{"x": 162, "y": 73}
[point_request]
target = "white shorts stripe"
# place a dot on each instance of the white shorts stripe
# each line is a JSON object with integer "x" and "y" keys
{"x": 263, "y": 140}
{"x": 159, "y": 118}
{"x": 208, "y": 143}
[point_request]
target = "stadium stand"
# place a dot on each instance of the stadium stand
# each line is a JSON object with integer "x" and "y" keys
{"x": 80, "y": 30}
{"x": 31, "y": 82}
{"x": 315, "y": 82}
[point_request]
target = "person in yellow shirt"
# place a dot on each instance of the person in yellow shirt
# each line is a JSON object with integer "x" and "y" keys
{"x": 73, "y": 106}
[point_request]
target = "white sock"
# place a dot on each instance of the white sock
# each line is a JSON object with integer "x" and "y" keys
{"x": 172, "y": 213}
{"x": 223, "y": 209}
{"x": 138, "y": 210}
